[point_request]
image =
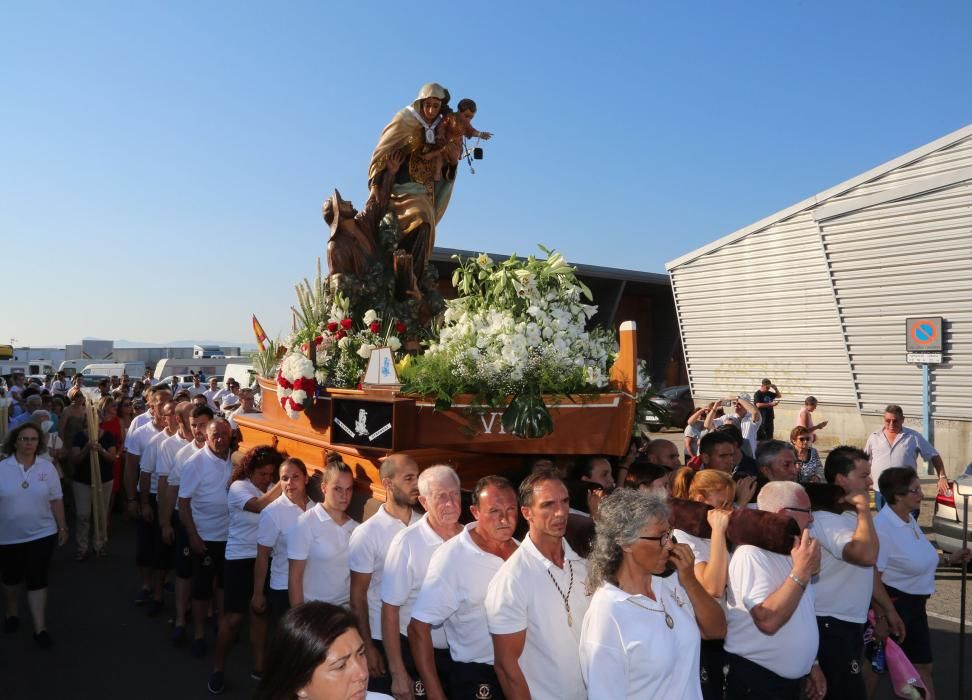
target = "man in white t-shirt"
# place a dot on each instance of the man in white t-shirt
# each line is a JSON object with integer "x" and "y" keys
{"x": 742, "y": 413}
{"x": 536, "y": 602}
{"x": 197, "y": 386}
{"x": 771, "y": 642}
{"x": 204, "y": 512}
{"x": 843, "y": 590}
{"x": 197, "y": 419}
{"x": 454, "y": 595}
{"x": 406, "y": 564}
{"x": 212, "y": 392}
{"x": 367, "y": 550}
{"x": 140, "y": 432}
{"x": 148, "y": 493}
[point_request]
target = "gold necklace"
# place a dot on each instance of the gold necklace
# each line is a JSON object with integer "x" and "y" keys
{"x": 570, "y": 587}
{"x": 668, "y": 618}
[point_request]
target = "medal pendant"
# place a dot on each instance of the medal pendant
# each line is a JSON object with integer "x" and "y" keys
{"x": 24, "y": 484}
{"x": 570, "y": 619}
{"x": 669, "y": 621}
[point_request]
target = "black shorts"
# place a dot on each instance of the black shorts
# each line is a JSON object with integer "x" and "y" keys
{"x": 27, "y": 562}
{"x": 237, "y": 584}
{"x": 162, "y": 552}
{"x": 207, "y": 569}
{"x": 472, "y": 681}
{"x": 750, "y": 681}
{"x": 182, "y": 552}
{"x": 279, "y": 602}
{"x": 711, "y": 664}
{"x": 443, "y": 666}
{"x": 911, "y": 608}
{"x": 840, "y": 653}
{"x": 146, "y": 539}
{"x": 380, "y": 684}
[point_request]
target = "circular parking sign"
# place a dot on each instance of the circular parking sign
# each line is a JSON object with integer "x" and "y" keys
{"x": 924, "y": 332}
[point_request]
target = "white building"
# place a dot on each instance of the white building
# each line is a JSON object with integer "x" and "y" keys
{"x": 816, "y": 296}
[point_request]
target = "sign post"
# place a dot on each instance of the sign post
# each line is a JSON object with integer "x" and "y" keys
{"x": 923, "y": 344}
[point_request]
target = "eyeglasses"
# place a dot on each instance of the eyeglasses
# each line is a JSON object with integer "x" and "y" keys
{"x": 915, "y": 490}
{"x": 803, "y": 439}
{"x": 798, "y": 510}
{"x": 662, "y": 540}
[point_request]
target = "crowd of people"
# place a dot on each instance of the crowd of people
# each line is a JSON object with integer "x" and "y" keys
{"x": 575, "y": 580}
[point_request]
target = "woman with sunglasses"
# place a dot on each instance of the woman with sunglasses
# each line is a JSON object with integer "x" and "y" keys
{"x": 31, "y": 522}
{"x": 907, "y": 561}
{"x": 807, "y": 457}
{"x": 642, "y": 633}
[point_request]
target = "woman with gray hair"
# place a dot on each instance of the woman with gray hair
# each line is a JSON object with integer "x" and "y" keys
{"x": 642, "y": 633}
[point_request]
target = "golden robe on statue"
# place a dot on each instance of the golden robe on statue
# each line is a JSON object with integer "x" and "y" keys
{"x": 418, "y": 197}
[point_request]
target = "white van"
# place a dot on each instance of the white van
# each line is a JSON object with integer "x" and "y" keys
{"x": 182, "y": 365}
{"x": 72, "y": 367}
{"x": 134, "y": 370}
{"x": 244, "y": 374}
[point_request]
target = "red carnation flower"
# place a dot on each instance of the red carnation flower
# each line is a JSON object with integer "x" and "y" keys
{"x": 332, "y": 326}
{"x": 400, "y": 327}
{"x": 374, "y": 327}
{"x": 318, "y": 340}
{"x": 346, "y": 324}
{"x": 340, "y": 334}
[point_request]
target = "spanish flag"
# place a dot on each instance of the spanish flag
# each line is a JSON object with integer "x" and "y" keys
{"x": 258, "y": 331}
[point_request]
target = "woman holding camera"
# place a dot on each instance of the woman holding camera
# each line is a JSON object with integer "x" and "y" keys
{"x": 642, "y": 633}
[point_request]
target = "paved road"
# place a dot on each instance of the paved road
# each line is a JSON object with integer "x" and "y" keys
{"x": 107, "y": 648}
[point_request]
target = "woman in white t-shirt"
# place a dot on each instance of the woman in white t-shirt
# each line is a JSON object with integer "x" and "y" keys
{"x": 642, "y": 632}
{"x": 276, "y": 520}
{"x": 717, "y": 489}
{"x": 907, "y": 563}
{"x": 31, "y": 522}
{"x": 249, "y": 494}
{"x": 317, "y": 654}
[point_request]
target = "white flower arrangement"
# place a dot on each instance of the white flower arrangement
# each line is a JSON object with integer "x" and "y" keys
{"x": 296, "y": 382}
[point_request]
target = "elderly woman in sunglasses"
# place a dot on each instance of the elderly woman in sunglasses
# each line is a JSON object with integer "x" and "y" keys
{"x": 642, "y": 632}
{"x": 807, "y": 458}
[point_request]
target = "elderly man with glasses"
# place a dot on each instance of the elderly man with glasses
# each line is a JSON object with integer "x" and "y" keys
{"x": 772, "y": 639}
{"x": 893, "y": 445}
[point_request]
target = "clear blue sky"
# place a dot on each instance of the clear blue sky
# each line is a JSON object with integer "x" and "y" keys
{"x": 163, "y": 164}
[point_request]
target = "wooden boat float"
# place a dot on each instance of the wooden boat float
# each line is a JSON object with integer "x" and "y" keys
{"x": 363, "y": 426}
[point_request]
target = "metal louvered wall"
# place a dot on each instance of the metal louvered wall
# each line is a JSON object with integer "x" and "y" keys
{"x": 817, "y": 300}
{"x": 763, "y": 306}
{"x": 890, "y": 261}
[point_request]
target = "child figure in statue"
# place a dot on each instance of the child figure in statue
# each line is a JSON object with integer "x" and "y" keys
{"x": 452, "y": 131}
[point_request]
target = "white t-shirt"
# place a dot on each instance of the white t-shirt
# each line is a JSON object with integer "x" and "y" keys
{"x": 906, "y": 559}
{"x": 521, "y": 597}
{"x": 178, "y": 462}
{"x": 629, "y": 652}
{"x": 25, "y": 513}
{"x": 701, "y": 547}
{"x": 167, "y": 452}
{"x": 406, "y": 565}
{"x": 205, "y": 480}
{"x": 149, "y": 463}
{"x": 453, "y": 596}
{"x": 842, "y": 589}
{"x": 754, "y": 575}
{"x": 323, "y": 543}
{"x": 367, "y": 550}
{"x": 242, "y": 540}
{"x": 196, "y": 390}
{"x": 276, "y": 520}
{"x": 138, "y": 439}
{"x": 137, "y": 422}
